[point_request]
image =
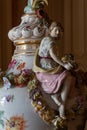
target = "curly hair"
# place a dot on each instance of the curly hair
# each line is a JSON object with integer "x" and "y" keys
{"x": 54, "y": 24}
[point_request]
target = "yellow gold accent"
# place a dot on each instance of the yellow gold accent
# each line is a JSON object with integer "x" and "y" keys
{"x": 29, "y": 14}
{"x": 30, "y": 53}
{"x": 29, "y": 42}
{"x": 26, "y": 48}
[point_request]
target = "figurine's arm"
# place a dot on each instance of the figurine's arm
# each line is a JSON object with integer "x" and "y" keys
{"x": 68, "y": 66}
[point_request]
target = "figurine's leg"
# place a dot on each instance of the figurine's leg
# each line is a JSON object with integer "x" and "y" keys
{"x": 61, "y": 107}
{"x": 56, "y": 99}
{"x": 64, "y": 94}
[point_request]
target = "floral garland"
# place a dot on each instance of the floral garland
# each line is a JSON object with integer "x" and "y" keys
{"x": 46, "y": 113}
{"x": 18, "y": 79}
{"x": 15, "y": 80}
{"x": 42, "y": 108}
{"x": 21, "y": 79}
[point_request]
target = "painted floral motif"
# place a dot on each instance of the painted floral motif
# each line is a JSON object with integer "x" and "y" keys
{"x": 12, "y": 64}
{"x": 21, "y": 66}
{"x": 16, "y": 123}
{"x": 17, "y": 80}
{"x": 16, "y": 64}
{"x": 1, "y": 119}
{"x": 19, "y": 76}
{"x": 21, "y": 79}
{"x": 6, "y": 83}
{"x": 7, "y": 98}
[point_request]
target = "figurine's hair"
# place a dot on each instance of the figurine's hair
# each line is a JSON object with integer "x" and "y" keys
{"x": 54, "y": 24}
{"x": 57, "y": 24}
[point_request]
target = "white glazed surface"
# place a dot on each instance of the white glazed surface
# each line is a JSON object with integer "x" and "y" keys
{"x": 21, "y": 106}
{"x": 28, "y": 29}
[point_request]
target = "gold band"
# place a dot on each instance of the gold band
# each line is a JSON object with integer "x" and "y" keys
{"x": 29, "y": 42}
{"x": 25, "y": 53}
{"x": 26, "y": 48}
{"x": 30, "y": 14}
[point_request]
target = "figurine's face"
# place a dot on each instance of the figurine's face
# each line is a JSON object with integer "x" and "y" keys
{"x": 55, "y": 32}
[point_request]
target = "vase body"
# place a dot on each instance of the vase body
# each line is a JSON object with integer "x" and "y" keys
{"x": 16, "y": 111}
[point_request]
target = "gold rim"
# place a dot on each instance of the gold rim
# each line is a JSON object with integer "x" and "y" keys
{"x": 29, "y": 42}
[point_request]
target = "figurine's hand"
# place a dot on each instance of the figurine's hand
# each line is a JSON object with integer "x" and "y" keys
{"x": 68, "y": 66}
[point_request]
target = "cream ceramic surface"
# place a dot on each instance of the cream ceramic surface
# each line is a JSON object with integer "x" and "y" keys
{"x": 28, "y": 29}
{"x": 16, "y": 111}
{"x": 21, "y": 107}
{"x": 15, "y": 103}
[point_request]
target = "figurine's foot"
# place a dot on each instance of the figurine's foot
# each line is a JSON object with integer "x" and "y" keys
{"x": 62, "y": 112}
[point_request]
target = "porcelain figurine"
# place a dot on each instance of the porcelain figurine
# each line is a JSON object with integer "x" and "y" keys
{"x": 39, "y": 90}
{"x": 16, "y": 111}
{"x": 59, "y": 78}
{"x": 51, "y": 83}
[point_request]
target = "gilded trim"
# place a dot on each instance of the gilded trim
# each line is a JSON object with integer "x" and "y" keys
{"x": 29, "y": 42}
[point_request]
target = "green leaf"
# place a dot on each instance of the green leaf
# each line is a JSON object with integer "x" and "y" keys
{"x": 2, "y": 123}
{"x": 1, "y": 114}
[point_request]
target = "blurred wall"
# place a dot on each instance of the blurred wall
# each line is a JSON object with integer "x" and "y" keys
{"x": 5, "y": 25}
{"x": 72, "y": 15}
{"x": 10, "y": 16}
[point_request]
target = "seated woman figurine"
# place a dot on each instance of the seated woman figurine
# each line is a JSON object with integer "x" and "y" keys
{"x": 52, "y": 72}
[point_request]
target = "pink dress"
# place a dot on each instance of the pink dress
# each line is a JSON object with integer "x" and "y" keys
{"x": 51, "y": 83}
